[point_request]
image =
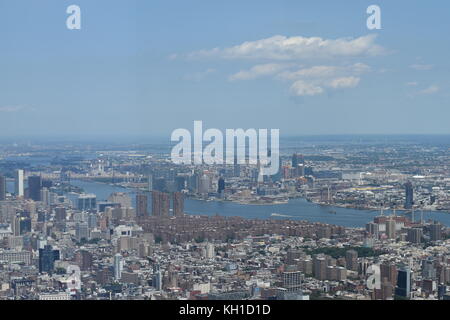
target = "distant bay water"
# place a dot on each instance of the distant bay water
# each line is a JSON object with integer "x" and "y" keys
{"x": 297, "y": 209}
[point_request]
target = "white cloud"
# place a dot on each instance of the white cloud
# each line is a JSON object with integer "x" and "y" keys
{"x": 430, "y": 90}
{"x": 324, "y": 72}
{"x": 346, "y": 82}
{"x": 285, "y": 54}
{"x": 412, "y": 84}
{"x": 315, "y": 80}
{"x": 302, "y": 88}
{"x": 421, "y": 67}
{"x": 258, "y": 71}
{"x": 295, "y": 48}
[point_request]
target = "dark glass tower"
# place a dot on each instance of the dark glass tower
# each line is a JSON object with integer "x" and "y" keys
{"x": 409, "y": 195}
{"x": 47, "y": 257}
{"x": 403, "y": 282}
{"x": 2, "y": 188}
{"x": 34, "y": 187}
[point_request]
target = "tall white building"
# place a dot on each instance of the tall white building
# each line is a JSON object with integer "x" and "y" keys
{"x": 19, "y": 183}
{"x": 205, "y": 184}
{"x": 118, "y": 266}
{"x": 209, "y": 251}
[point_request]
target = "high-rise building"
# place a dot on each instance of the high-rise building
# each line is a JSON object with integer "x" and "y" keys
{"x": 389, "y": 271}
{"x": 435, "y": 231}
{"x": 205, "y": 184}
{"x": 21, "y": 225}
{"x": 2, "y": 188}
{"x": 429, "y": 270}
{"x": 83, "y": 258}
{"x": 373, "y": 229}
{"x": 160, "y": 203}
{"x": 387, "y": 289}
{"x": 121, "y": 198}
{"x": 118, "y": 266}
{"x": 414, "y": 235}
{"x": 221, "y": 185}
{"x": 209, "y": 251}
{"x": 320, "y": 267}
{"x": 403, "y": 288}
{"x": 45, "y": 196}
{"x": 165, "y": 204}
{"x": 391, "y": 228}
{"x": 34, "y": 187}
{"x": 82, "y": 231}
{"x": 86, "y": 202}
{"x": 15, "y": 226}
{"x": 141, "y": 205}
{"x": 47, "y": 257}
{"x": 292, "y": 281}
{"x": 297, "y": 159}
{"x": 19, "y": 183}
{"x": 351, "y": 260}
{"x": 178, "y": 204}
{"x": 409, "y": 195}
{"x": 60, "y": 214}
{"x": 157, "y": 278}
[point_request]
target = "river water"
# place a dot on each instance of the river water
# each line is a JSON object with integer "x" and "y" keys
{"x": 298, "y": 209}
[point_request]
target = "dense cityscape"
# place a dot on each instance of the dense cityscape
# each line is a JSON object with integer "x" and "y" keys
{"x": 63, "y": 239}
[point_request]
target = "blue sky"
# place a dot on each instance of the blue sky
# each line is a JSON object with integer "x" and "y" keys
{"x": 149, "y": 67}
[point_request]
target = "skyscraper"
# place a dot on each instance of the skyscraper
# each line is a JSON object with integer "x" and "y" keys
{"x": 165, "y": 204}
{"x": 86, "y": 202}
{"x": 45, "y": 196}
{"x": 82, "y": 231}
{"x": 141, "y": 205}
{"x": 2, "y": 188}
{"x": 204, "y": 185}
{"x": 403, "y": 288}
{"x": 34, "y": 187}
{"x": 220, "y": 185}
{"x": 19, "y": 183}
{"x": 157, "y": 278}
{"x": 320, "y": 267}
{"x": 436, "y": 231}
{"x": 121, "y": 198}
{"x": 47, "y": 257}
{"x": 351, "y": 260}
{"x": 178, "y": 204}
{"x": 297, "y": 159}
{"x": 414, "y": 235}
{"x": 160, "y": 203}
{"x": 389, "y": 271}
{"x": 84, "y": 259}
{"x": 409, "y": 195}
{"x": 390, "y": 228}
{"x": 118, "y": 266}
{"x": 292, "y": 281}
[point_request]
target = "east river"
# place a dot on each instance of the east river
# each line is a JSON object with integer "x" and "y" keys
{"x": 298, "y": 209}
